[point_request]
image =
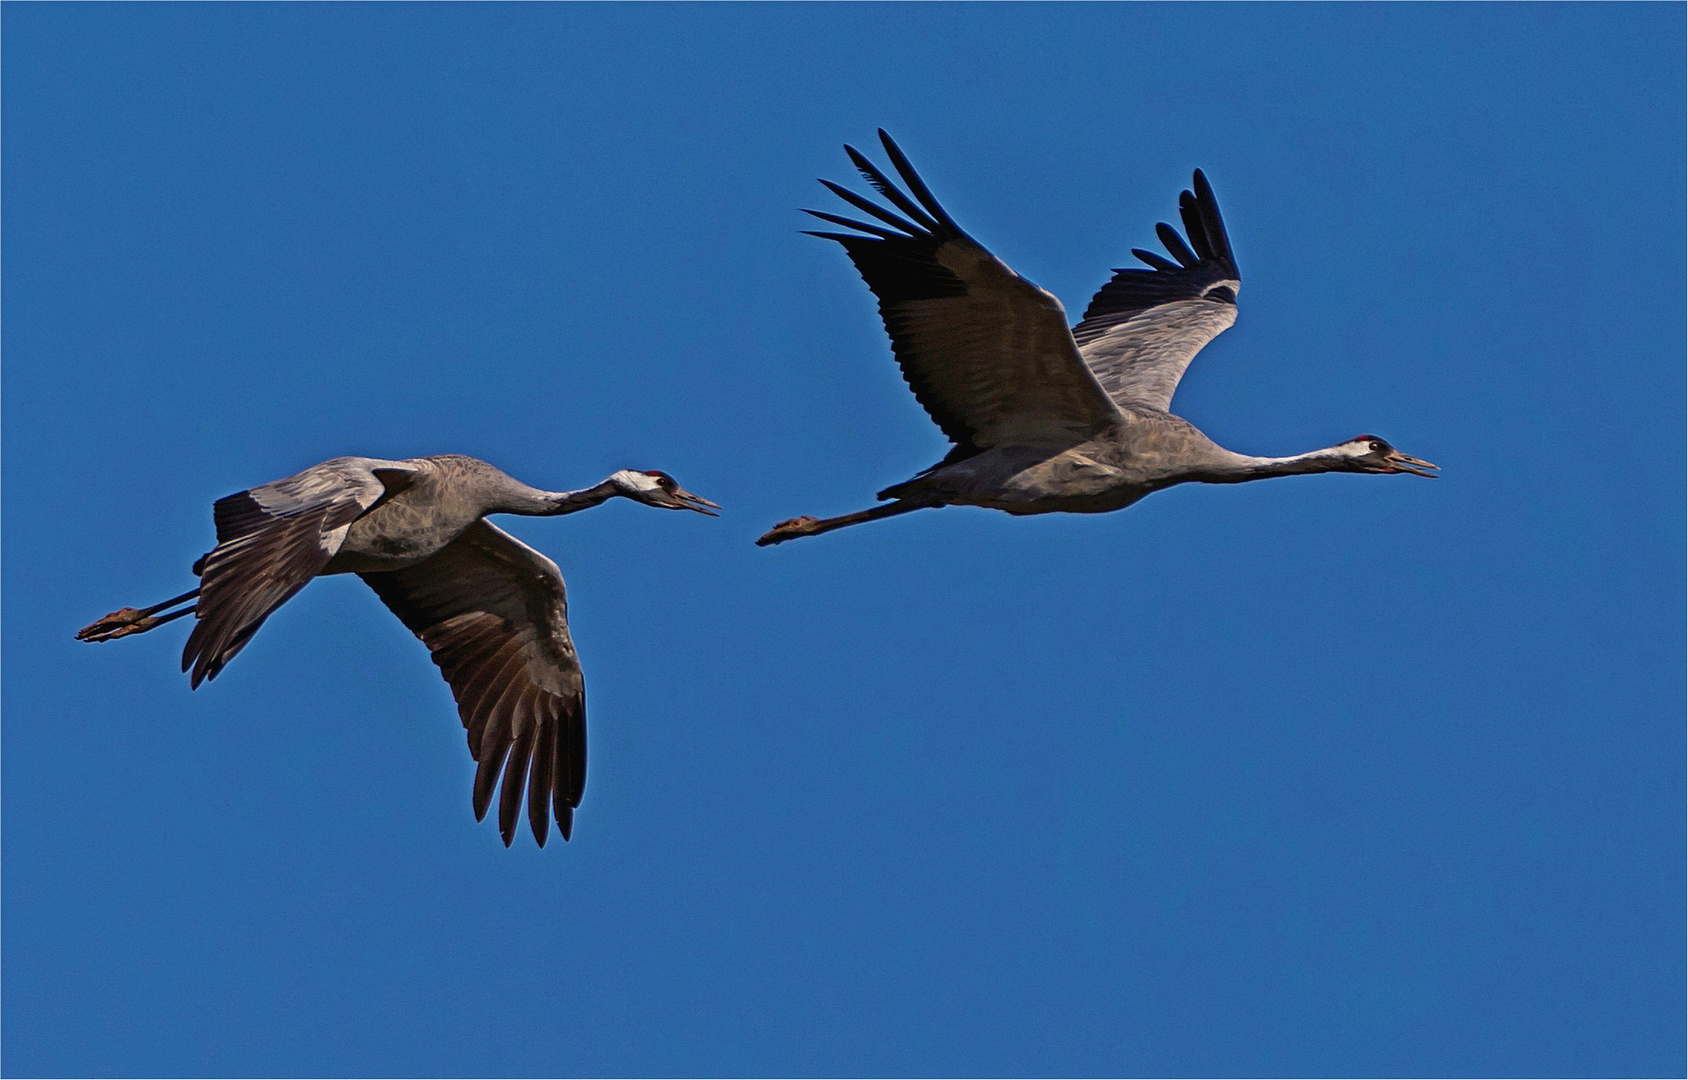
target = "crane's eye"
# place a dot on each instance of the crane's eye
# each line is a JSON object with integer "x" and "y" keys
{"x": 1376, "y": 447}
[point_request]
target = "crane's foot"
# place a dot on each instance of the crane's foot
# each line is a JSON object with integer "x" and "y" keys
{"x": 120, "y": 623}
{"x": 126, "y": 621}
{"x": 789, "y": 529}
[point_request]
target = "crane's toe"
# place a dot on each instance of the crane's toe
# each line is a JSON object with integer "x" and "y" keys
{"x": 788, "y": 529}
{"x": 119, "y": 623}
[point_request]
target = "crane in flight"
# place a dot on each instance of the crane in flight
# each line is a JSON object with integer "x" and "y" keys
{"x": 1044, "y": 418}
{"x": 492, "y": 611}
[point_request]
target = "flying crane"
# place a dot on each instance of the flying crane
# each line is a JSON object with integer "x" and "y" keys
{"x": 1044, "y": 418}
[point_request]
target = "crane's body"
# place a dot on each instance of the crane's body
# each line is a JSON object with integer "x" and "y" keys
{"x": 1045, "y": 418}
{"x": 427, "y": 504}
{"x": 420, "y": 515}
{"x": 492, "y": 611}
{"x": 1144, "y": 453}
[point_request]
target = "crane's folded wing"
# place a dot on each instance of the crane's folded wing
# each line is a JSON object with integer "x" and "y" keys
{"x": 271, "y": 541}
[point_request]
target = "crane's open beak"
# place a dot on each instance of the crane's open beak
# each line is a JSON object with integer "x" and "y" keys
{"x": 685, "y": 500}
{"x": 1404, "y": 463}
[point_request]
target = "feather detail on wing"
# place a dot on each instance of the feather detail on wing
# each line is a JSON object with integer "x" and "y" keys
{"x": 1143, "y": 328}
{"x": 271, "y": 541}
{"x": 986, "y": 352}
{"x": 494, "y": 614}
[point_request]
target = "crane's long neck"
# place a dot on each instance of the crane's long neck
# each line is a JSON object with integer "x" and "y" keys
{"x": 1237, "y": 468}
{"x": 518, "y": 498}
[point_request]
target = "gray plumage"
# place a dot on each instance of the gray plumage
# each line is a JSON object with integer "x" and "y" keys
{"x": 1044, "y": 418}
{"x": 492, "y": 611}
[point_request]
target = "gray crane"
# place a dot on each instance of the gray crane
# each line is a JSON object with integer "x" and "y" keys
{"x": 492, "y": 611}
{"x": 1044, "y": 418}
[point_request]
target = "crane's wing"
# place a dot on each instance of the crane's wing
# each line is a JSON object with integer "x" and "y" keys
{"x": 271, "y": 540}
{"x": 1144, "y": 327}
{"x": 987, "y": 353}
{"x": 494, "y": 613}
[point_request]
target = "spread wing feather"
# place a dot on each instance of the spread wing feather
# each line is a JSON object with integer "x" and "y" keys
{"x": 494, "y": 614}
{"x": 271, "y": 541}
{"x": 1143, "y": 328}
{"x": 986, "y": 352}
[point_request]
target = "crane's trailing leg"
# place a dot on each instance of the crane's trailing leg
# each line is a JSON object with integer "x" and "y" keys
{"x": 126, "y": 621}
{"x": 808, "y": 526}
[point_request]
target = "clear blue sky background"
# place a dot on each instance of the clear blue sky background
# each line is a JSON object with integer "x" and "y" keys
{"x": 1328, "y": 775}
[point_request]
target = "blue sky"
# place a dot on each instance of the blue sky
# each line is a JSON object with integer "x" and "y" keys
{"x": 1322, "y": 776}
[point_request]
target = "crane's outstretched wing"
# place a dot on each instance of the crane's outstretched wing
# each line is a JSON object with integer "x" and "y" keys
{"x": 987, "y": 353}
{"x": 272, "y": 540}
{"x": 494, "y": 613}
{"x": 1144, "y": 327}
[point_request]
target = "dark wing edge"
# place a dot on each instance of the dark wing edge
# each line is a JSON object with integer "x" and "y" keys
{"x": 915, "y": 258}
{"x": 1208, "y": 272}
{"x": 271, "y": 541}
{"x": 494, "y": 615}
{"x": 902, "y": 266}
{"x": 1144, "y": 327}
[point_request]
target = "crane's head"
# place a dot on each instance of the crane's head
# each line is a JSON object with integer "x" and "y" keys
{"x": 657, "y": 488}
{"x": 1368, "y": 453}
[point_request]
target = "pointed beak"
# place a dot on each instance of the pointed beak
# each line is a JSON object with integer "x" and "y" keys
{"x": 1404, "y": 463}
{"x": 685, "y": 500}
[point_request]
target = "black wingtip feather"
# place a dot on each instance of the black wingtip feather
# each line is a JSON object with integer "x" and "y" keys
{"x": 1175, "y": 244}
{"x": 884, "y": 186}
{"x": 1194, "y": 226}
{"x": 1133, "y": 290}
{"x": 852, "y": 223}
{"x": 486, "y": 780}
{"x": 869, "y": 173}
{"x": 569, "y": 783}
{"x": 915, "y": 184}
{"x": 540, "y": 773}
{"x": 1202, "y": 189}
{"x": 1159, "y": 262}
{"x": 1208, "y": 205}
{"x": 868, "y": 206}
{"x": 515, "y": 777}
